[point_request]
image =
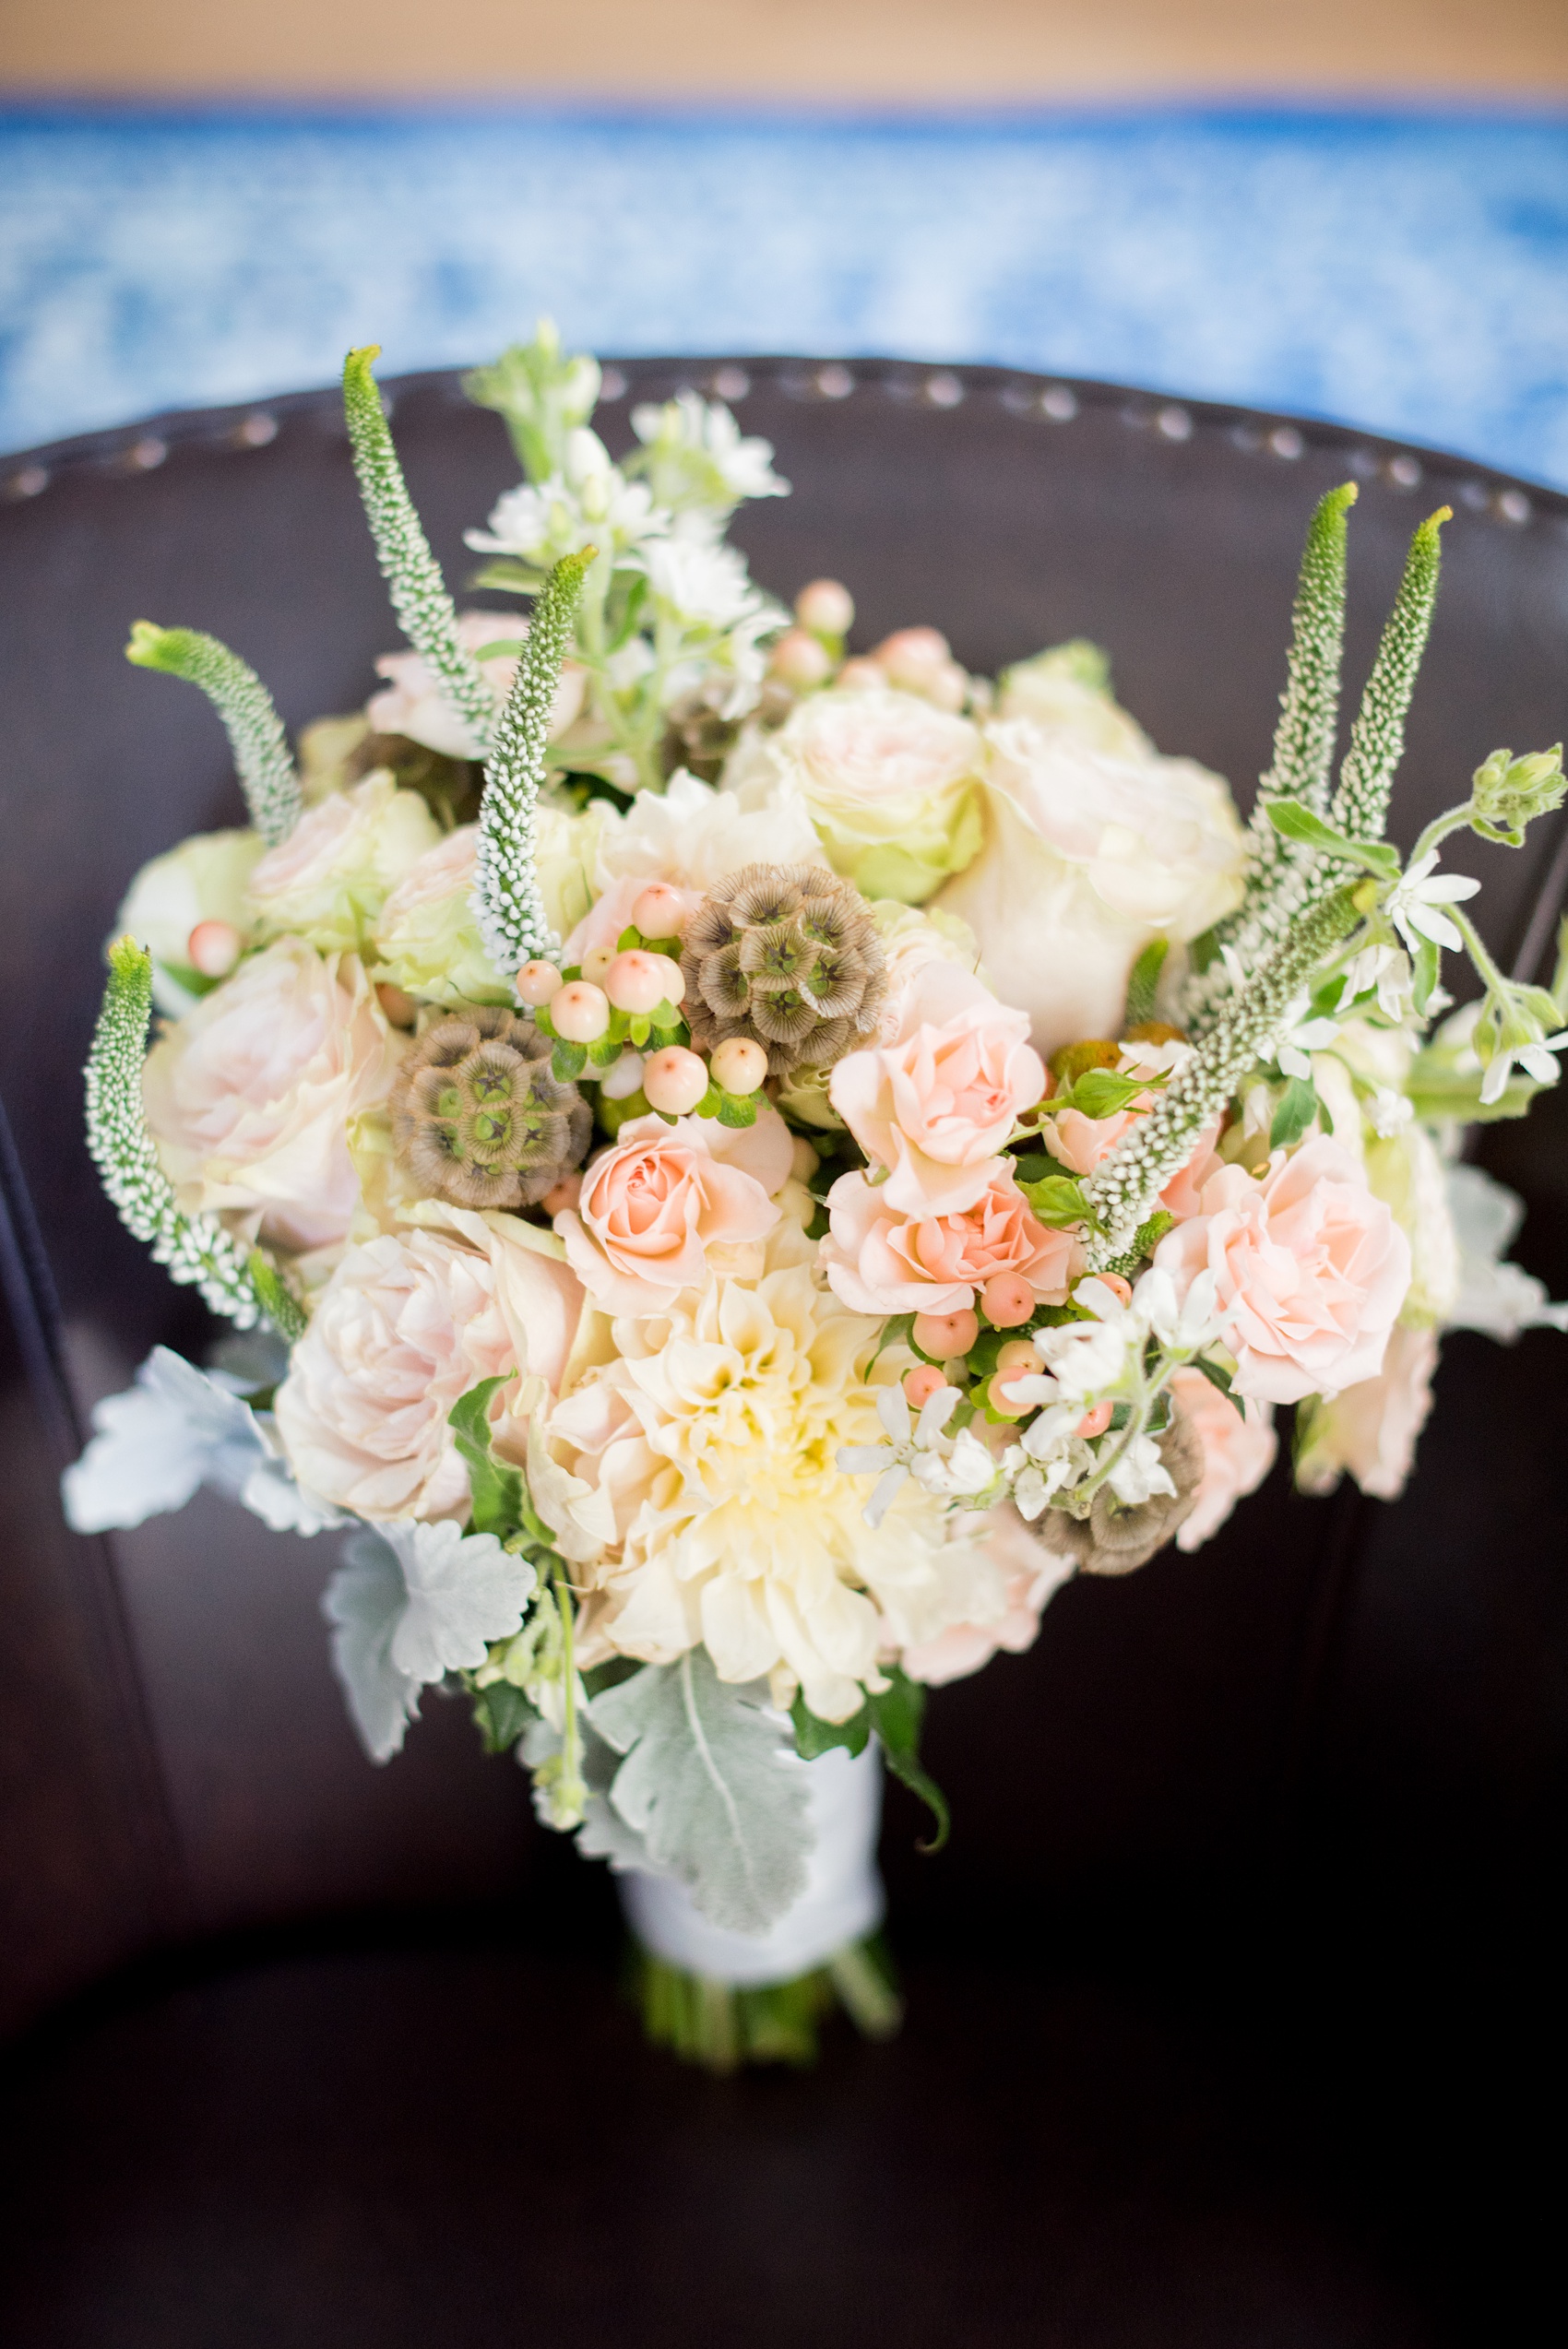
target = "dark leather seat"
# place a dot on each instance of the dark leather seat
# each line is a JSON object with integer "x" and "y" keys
{"x": 1229, "y": 2003}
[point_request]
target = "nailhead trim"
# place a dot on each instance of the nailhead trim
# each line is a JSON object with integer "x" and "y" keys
{"x": 1506, "y": 502}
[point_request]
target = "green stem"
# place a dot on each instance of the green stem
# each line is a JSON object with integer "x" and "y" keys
{"x": 1486, "y": 968}
{"x": 1439, "y": 829}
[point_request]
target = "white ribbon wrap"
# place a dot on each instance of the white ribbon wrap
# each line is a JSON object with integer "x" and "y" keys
{"x": 843, "y": 1900}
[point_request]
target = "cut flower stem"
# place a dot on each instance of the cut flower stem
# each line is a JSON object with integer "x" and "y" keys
{"x": 721, "y": 2026}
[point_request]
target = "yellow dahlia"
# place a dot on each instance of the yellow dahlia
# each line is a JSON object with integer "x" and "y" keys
{"x": 711, "y": 1441}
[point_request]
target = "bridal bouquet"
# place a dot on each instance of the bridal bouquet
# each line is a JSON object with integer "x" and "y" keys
{"x": 737, "y": 1168}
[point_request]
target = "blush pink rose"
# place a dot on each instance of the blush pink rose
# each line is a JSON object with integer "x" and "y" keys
{"x": 251, "y": 1093}
{"x": 936, "y": 1107}
{"x": 1310, "y": 1272}
{"x": 881, "y": 1261}
{"x": 1034, "y": 1573}
{"x": 1183, "y": 1195}
{"x": 653, "y": 1207}
{"x": 403, "y": 1328}
{"x": 1372, "y": 1428}
{"x": 1239, "y": 1449}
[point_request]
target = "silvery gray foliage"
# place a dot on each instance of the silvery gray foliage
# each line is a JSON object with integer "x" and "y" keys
{"x": 409, "y": 1603}
{"x": 704, "y": 1784}
{"x": 175, "y": 1430}
{"x": 603, "y": 1834}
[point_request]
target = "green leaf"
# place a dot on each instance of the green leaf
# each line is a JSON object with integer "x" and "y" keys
{"x": 639, "y": 1030}
{"x": 605, "y": 1050}
{"x": 1058, "y": 1200}
{"x": 568, "y": 1062}
{"x": 278, "y": 1303}
{"x": 1104, "y": 1093}
{"x": 1297, "y": 1107}
{"x": 895, "y": 1716}
{"x": 1143, "y": 984}
{"x": 496, "y": 1489}
{"x": 737, "y": 1109}
{"x": 1213, "y": 1373}
{"x": 1424, "y": 972}
{"x": 1147, "y": 1237}
{"x": 702, "y": 1783}
{"x": 1295, "y": 822}
{"x": 502, "y": 1713}
{"x": 814, "y": 1737}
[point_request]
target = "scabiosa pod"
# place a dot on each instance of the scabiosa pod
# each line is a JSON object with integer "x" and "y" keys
{"x": 195, "y": 1249}
{"x": 425, "y": 611}
{"x": 262, "y": 757}
{"x": 506, "y": 900}
{"x": 1125, "y": 1188}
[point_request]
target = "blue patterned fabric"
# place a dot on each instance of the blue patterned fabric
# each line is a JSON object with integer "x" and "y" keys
{"x": 1407, "y": 273}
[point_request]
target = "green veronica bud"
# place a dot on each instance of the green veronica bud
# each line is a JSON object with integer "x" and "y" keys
{"x": 1507, "y": 792}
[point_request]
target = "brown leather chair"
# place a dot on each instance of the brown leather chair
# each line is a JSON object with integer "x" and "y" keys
{"x": 1228, "y": 2002}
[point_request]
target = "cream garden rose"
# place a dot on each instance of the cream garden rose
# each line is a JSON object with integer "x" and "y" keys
{"x": 1088, "y": 857}
{"x": 407, "y": 1325}
{"x": 881, "y": 1261}
{"x": 426, "y": 940}
{"x": 203, "y": 880}
{"x": 1372, "y": 1427}
{"x": 330, "y": 878}
{"x": 1035, "y": 1573}
{"x": 251, "y": 1095}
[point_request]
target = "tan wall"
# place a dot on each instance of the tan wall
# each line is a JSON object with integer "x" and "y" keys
{"x": 919, "y": 50}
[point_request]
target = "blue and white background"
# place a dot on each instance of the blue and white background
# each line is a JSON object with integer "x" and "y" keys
{"x": 1406, "y": 272}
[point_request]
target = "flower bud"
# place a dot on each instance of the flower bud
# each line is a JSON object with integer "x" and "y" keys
{"x": 1507, "y": 792}
{"x": 637, "y": 981}
{"x": 995, "y": 1395}
{"x": 1094, "y": 1423}
{"x": 1008, "y": 1300}
{"x": 801, "y": 660}
{"x": 921, "y": 1384}
{"x": 596, "y": 962}
{"x": 622, "y": 1078}
{"x": 943, "y": 1336}
{"x": 565, "y": 1194}
{"x": 674, "y": 1081}
{"x": 674, "y": 979}
{"x": 580, "y": 1012}
{"x": 804, "y": 1161}
{"x": 856, "y": 675}
{"x": 214, "y": 948}
{"x": 825, "y": 607}
{"x": 739, "y": 1065}
{"x": 912, "y": 654}
{"x": 1120, "y": 1288}
{"x": 660, "y": 912}
{"x": 537, "y": 984}
{"x": 1018, "y": 1354}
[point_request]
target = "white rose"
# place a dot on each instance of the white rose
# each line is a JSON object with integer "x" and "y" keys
{"x": 1087, "y": 858}
{"x": 250, "y": 1095}
{"x": 426, "y": 940}
{"x": 329, "y": 879}
{"x": 1066, "y": 691}
{"x": 203, "y": 880}
{"x": 891, "y": 782}
{"x": 414, "y": 704}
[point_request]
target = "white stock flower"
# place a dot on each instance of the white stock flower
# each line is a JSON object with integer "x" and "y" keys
{"x": 1382, "y": 972}
{"x": 1139, "y": 1473}
{"x": 894, "y": 1462}
{"x": 1537, "y": 1061}
{"x": 589, "y": 503}
{"x": 1416, "y": 907}
{"x": 409, "y": 1603}
{"x": 177, "y": 1429}
{"x": 696, "y": 456}
{"x": 1299, "y": 1037}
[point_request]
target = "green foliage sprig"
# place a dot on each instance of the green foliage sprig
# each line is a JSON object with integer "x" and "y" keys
{"x": 196, "y": 1250}
{"x": 262, "y": 758}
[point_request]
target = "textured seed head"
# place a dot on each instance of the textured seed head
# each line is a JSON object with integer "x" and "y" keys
{"x": 477, "y": 1116}
{"x": 786, "y": 957}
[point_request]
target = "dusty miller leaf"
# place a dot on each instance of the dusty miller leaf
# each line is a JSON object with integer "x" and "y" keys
{"x": 703, "y": 1783}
